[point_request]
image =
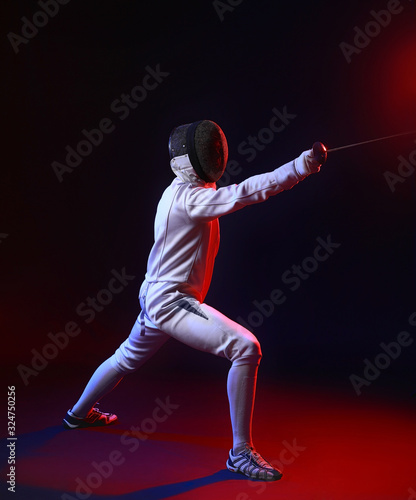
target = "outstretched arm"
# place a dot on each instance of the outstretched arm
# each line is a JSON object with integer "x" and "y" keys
{"x": 207, "y": 204}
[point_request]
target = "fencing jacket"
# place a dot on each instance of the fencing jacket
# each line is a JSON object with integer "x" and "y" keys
{"x": 186, "y": 225}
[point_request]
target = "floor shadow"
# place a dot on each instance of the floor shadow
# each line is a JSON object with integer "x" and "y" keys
{"x": 24, "y": 492}
{"x": 170, "y": 490}
{"x": 28, "y": 443}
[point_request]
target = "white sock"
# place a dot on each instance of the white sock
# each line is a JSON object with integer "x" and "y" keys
{"x": 241, "y": 388}
{"x": 73, "y": 414}
{"x": 103, "y": 381}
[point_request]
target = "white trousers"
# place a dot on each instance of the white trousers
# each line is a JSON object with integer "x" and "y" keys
{"x": 170, "y": 313}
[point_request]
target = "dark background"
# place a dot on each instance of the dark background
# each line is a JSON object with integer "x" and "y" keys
{"x": 61, "y": 240}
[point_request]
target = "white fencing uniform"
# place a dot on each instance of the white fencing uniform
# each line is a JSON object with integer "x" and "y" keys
{"x": 181, "y": 263}
{"x": 178, "y": 276}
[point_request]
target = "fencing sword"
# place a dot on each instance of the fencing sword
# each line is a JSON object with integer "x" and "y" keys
{"x": 320, "y": 151}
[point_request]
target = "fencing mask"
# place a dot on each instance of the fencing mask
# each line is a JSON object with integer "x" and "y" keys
{"x": 205, "y": 144}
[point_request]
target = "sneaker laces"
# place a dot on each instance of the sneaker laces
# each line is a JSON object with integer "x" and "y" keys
{"x": 97, "y": 410}
{"x": 259, "y": 461}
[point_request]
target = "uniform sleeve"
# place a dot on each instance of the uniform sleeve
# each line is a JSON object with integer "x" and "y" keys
{"x": 204, "y": 204}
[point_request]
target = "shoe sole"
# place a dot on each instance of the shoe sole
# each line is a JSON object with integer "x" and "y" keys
{"x": 231, "y": 467}
{"x": 84, "y": 425}
{"x": 69, "y": 426}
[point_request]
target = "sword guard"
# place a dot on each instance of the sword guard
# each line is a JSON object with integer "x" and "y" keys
{"x": 319, "y": 152}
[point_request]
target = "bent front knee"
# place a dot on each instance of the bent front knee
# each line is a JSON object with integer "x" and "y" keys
{"x": 248, "y": 352}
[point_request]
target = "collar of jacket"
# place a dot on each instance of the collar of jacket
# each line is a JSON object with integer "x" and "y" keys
{"x": 183, "y": 169}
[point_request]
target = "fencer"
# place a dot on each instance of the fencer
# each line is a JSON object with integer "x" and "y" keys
{"x": 179, "y": 271}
